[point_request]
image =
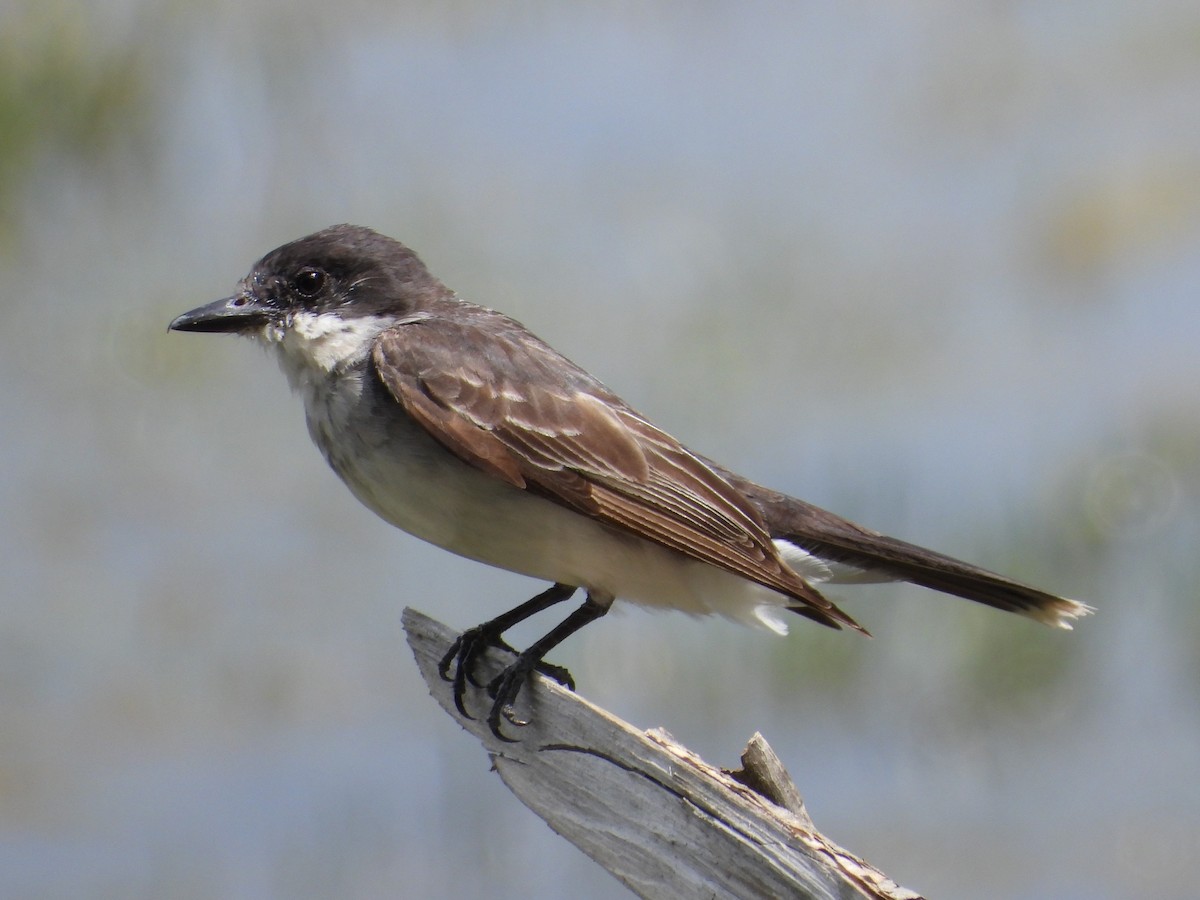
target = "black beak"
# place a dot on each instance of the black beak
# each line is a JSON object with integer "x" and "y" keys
{"x": 237, "y": 313}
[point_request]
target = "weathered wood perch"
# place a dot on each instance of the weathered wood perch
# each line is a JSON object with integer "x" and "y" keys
{"x": 651, "y": 812}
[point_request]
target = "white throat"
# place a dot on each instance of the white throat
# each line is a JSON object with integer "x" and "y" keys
{"x": 313, "y": 346}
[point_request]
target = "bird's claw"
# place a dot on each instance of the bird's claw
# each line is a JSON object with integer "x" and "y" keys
{"x": 458, "y": 667}
{"x": 503, "y": 689}
{"x": 463, "y": 654}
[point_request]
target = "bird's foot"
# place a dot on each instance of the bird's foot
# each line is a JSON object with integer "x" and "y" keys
{"x": 504, "y": 688}
{"x": 465, "y": 653}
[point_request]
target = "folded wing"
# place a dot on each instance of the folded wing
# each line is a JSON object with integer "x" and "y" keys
{"x": 509, "y": 405}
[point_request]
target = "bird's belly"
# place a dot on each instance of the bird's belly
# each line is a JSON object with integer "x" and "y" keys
{"x": 411, "y": 481}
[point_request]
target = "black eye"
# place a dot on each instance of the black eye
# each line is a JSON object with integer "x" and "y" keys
{"x": 309, "y": 281}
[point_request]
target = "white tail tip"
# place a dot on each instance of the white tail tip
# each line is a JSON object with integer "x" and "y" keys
{"x": 1061, "y": 613}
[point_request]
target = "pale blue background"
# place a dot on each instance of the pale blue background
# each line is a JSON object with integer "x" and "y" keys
{"x": 933, "y": 265}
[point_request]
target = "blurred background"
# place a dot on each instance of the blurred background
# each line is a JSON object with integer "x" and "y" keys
{"x": 933, "y": 266}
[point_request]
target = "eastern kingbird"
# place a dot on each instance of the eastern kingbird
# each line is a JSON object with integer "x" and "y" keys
{"x": 456, "y": 424}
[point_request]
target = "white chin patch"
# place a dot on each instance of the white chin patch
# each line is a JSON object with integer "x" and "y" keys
{"x": 324, "y": 341}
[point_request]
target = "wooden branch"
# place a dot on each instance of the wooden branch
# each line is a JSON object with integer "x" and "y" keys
{"x": 651, "y": 812}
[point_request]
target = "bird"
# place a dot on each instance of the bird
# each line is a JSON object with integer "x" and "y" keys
{"x": 454, "y": 423}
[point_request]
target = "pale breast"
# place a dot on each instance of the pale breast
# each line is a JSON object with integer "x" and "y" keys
{"x": 403, "y": 475}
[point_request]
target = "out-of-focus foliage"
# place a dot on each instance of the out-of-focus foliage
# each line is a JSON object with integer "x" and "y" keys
{"x": 64, "y": 89}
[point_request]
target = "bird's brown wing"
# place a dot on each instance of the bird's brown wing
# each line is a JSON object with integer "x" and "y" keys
{"x": 509, "y": 405}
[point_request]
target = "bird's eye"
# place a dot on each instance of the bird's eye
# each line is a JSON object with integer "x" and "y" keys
{"x": 309, "y": 281}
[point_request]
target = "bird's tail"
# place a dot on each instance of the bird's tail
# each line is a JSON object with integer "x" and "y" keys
{"x": 835, "y": 540}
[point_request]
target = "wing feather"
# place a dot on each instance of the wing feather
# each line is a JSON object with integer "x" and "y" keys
{"x": 508, "y": 404}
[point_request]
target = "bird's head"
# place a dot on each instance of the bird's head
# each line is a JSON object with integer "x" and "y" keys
{"x": 320, "y": 301}
{"x": 345, "y": 272}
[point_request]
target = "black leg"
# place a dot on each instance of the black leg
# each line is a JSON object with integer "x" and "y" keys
{"x": 467, "y": 648}
{"x": 505, "y": 686}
